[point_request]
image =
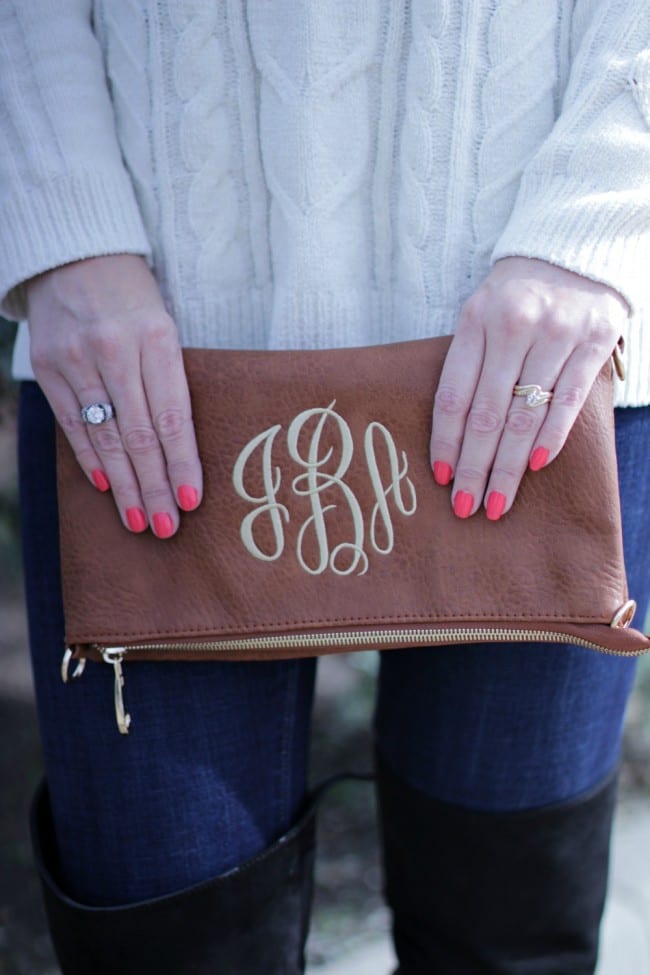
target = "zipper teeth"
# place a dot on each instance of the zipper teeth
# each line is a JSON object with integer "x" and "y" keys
{"x": 369, "y": 638}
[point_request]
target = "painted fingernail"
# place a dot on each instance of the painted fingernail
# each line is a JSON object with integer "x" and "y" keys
{"x": 441, "y": 472}
{"x": 463, "y": 504}
{"x": 100, "y": 480}
{"x": 163, "y": 525}
{"x": 136, "y": 519}
{"x": 496, "y": 502}
{"x": 538, "y": 458}
{"x": 188, "y": 497}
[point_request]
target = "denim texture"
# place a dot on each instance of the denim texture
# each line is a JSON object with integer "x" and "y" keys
{"x": 216, "y": 766}
{"x": 516, "y": 726}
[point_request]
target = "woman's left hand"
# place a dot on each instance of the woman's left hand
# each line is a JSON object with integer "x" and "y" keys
{"x": 529, "y": 323}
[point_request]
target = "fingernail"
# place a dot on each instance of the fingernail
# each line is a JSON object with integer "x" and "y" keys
{"x": 163, "y": 525}
{"x": 188, "y": 497}
{"x": 463, "y": 504}
{"x": 496, "y": 502}
{"x": 441, "y": 472}
{"x": 100, "y": 480}
{"x": 136, "y": 519}
{"x": 538, "y": 458}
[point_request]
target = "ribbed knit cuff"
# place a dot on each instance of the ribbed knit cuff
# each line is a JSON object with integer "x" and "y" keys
{"x": 67, "y": 219}
{"x": 602, "y": 235}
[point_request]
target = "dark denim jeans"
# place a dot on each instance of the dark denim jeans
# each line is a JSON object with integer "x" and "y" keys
{"x": 216, "y": 766}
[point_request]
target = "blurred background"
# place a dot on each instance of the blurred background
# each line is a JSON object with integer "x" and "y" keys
{"x": 348, "y": 910}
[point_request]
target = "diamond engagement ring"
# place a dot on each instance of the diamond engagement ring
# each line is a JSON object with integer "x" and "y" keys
{"x": 97, "y": 413}
{"x": 535, "y": 395}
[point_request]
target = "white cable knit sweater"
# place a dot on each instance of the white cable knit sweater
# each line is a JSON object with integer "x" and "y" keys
{"x": 327, "y": 172}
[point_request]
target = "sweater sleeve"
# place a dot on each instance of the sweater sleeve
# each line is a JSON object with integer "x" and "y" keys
{"x": 64, "y": 191}
{"x": 584, "y": 198}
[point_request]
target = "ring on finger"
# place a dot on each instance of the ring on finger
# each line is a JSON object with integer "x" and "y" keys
{"x": 535, "y": 395}
{"x": 96, "y": 413}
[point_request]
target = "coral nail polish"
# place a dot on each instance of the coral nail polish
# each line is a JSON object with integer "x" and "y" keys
{"x": 538, "y": 458}
{"x": 441, "y": 472}
{"x": 100, "y": 480}
{"x": 188, "y": 497}
{"x": 163, "y": 525}
{"x": 496, "y": 502}
{"x": 463, "y": 504}
{"x": 136, "y": 519}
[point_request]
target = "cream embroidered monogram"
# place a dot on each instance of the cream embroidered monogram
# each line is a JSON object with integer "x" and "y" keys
{"x": 324, "y": 453}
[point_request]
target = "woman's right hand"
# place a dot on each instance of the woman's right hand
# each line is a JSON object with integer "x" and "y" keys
{"x": 100, "y": 333}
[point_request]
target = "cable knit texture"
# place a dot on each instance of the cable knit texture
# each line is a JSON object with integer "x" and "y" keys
{"x": 327, "y": 174}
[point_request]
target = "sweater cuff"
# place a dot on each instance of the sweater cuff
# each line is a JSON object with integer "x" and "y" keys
{"x": 67, "y": 219}
{"x": 602, "y": 235}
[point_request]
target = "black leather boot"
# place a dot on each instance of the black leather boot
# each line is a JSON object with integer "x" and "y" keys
{"x": 479, "y": 893}
{"x": 250, "y": 921}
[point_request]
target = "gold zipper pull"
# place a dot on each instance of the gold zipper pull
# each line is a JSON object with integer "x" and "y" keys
{"x": 623, "y": 617}
{"x": 114, "y": 656}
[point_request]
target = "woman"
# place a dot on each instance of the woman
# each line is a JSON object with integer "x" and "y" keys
{"x": 313, "y": 175}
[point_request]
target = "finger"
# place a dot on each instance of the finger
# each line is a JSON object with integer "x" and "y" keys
{"x": 571, "y": 391}
{"x": 132, "y": 445}
{"x": 458, "y": 380}
{"x": 523, "y": 423}
{"x": 511, "y": 460}
{"x": 171, "y": 412}
{"x": 106, "y": 441}
{"x": 65, "y": 407}
{"x": 485, "y": 423}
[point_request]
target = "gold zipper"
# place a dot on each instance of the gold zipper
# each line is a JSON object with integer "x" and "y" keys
{"x": 341, "y": 641}
{"x": 359, "y": 638}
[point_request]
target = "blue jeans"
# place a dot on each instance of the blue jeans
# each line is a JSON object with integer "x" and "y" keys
{"x": 217, "y": 766}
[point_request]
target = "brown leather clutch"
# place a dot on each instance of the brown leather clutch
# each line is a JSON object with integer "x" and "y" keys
{"x": 322, "y": 529}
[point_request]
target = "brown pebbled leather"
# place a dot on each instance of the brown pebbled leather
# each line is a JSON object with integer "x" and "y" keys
{"x": 554, "y": 562}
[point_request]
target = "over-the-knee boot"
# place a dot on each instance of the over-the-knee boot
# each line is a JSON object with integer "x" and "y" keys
{"x": 250, "y": 921}
{"x": 482, "y": 893}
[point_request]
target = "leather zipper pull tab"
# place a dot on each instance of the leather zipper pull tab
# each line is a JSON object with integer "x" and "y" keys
{"x": 114, "y": 656}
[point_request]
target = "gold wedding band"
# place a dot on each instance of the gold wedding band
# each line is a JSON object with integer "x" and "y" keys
{"x": 535, "y": 395}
